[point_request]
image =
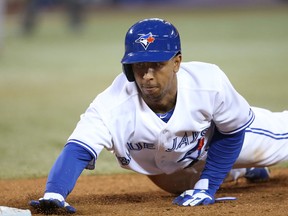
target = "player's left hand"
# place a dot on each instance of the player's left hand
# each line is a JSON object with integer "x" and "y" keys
{"x": 194, "y": 197}
{"x": 51, "y": 206}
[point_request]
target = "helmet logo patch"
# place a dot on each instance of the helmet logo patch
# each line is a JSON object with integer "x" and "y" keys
{"x": 145, "y": 40}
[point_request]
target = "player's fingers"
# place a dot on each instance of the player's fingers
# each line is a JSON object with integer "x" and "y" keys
{"x": 177, "y": 200}
{"x": 208, "y": 201}
{"x": 51, "y": 206}
{"x": 69, "y": 209}
{"x": 182, "y": 201}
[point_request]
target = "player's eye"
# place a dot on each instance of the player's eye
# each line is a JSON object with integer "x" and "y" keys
{"x": 147, "y": 65}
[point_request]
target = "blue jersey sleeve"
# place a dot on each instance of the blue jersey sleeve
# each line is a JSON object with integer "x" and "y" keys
{"x": 222, "y": 154}
{"x": 67, "y": 168}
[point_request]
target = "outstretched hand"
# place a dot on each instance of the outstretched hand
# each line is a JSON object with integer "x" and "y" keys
{"x": 198, "y": 197}
{"x": 51, "y": 206}
{"x": 194, "y": 198}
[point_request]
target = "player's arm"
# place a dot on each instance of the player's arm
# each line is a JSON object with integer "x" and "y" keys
{"x": 231, "y": 115}
{"x": 222, "y": 154}
{"x": 62, "y": 179}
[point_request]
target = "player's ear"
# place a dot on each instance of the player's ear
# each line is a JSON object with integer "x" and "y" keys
{"x": 177, "y": 60}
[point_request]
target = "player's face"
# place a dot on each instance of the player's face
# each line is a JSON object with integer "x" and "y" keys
{"x": 157, "y": 80}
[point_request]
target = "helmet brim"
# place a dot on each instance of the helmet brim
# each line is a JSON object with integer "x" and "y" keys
{"x": 151, "y": 56}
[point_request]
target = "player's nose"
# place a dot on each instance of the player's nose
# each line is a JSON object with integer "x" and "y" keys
{"x": 149, "y": 74}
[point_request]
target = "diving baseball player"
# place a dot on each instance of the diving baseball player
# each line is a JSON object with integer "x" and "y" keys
{"x": 162, "y": 117}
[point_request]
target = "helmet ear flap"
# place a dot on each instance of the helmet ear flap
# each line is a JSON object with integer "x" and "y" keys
{"x": 127, "y": 69}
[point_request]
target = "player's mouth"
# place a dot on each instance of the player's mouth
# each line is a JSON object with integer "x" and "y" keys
{"x": 148, "y": 90}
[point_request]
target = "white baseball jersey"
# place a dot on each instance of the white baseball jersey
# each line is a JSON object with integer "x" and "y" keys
{"x": 120, "y": 121}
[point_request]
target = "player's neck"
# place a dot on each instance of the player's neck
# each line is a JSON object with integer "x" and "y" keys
{"x": 162, "y": 106}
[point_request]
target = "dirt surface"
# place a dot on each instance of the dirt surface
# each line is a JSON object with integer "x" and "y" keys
{"x": 134, "y": 194}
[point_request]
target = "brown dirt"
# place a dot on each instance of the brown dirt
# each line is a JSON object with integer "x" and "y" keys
{"x": 134, "y": 194}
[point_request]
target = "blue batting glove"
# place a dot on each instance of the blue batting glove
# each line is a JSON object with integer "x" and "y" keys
{"x": 51, "y": 206}
{"x": 194, "y": 198}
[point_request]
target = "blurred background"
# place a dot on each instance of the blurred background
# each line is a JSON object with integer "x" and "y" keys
{"x": 57, "y": 55}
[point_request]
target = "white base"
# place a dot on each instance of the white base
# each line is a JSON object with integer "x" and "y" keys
{"x": 8, "y": 211}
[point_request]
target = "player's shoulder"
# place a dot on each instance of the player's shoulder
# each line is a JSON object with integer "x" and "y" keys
{"x": 204, "y": 67}
{"x": 120, "y": 91}
{"x": 121, "y": 87}
{"x": 200, "y": 72}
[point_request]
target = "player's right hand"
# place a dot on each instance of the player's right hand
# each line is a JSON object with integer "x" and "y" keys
{"x": 51, "y": 206}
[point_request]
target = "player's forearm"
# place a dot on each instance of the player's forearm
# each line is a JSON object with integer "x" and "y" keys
{"x": 66, "y": 169}
{"x": 222, "y": 154}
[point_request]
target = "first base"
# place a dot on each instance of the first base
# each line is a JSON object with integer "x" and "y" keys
{"x": 8, "y": 211}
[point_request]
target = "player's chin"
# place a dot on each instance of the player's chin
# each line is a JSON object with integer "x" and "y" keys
{"x": 152, "y": 96}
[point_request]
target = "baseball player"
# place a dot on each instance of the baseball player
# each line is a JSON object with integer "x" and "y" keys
{"x": 162, "y": 117}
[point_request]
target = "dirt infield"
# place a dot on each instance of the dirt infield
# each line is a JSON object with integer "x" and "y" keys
{"x": 134, "y": 194}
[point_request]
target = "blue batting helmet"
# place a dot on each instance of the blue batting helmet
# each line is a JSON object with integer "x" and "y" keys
{"x": 149, "y": 40}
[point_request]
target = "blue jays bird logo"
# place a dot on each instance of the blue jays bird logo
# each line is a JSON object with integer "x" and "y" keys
{"x": 146, "y": 40}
